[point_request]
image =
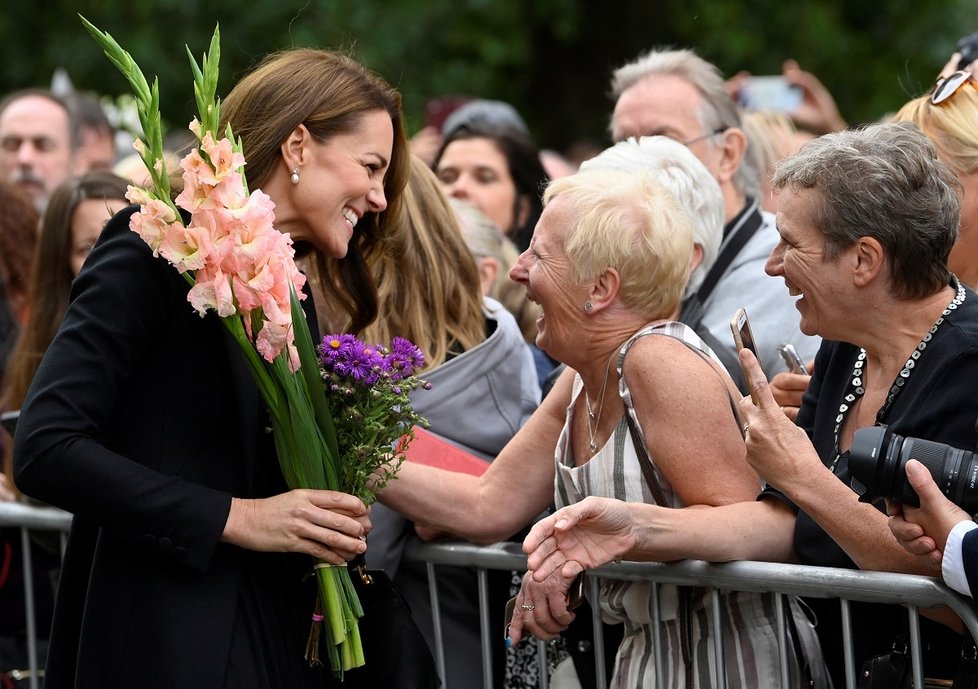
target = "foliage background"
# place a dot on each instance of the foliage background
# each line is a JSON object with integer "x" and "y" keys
{"x": 550, "y": 58}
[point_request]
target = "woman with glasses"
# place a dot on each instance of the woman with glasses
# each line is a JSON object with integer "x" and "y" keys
{"x": 948, "y": 116}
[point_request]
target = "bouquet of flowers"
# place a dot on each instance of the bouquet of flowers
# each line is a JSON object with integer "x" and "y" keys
{"x": 370, "y": 407}
{"x": 239, "y": 266}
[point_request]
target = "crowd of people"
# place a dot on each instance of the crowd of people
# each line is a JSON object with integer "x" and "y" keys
{"x": 575, "y": 322}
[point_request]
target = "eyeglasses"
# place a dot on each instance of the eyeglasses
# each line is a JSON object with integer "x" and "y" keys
{"x": 720, "y": 130}
{"x": 947, "y": 86}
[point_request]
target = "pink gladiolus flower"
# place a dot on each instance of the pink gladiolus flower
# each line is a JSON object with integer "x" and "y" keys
{"x": 187, "y": 248}
{"x": 152, "y": 223}
{"x": 224, "y": 158}
{"x": 137, "y": 195}
{"x": 212, "y": 292}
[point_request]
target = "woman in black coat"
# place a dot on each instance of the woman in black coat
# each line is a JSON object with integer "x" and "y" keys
{"x": 187, "y": 556}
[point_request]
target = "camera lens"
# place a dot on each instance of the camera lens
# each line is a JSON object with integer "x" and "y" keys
{"x": 878, "y": 460}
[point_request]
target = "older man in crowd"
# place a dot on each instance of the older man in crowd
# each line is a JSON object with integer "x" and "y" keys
{"x": 677, "y": 94}
{"x": 38, "y": 143}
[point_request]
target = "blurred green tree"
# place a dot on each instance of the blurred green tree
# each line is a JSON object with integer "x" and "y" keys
{"x": 551, "y": 58}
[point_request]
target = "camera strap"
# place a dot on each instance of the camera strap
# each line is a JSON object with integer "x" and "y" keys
{"x": 740, "y": 231}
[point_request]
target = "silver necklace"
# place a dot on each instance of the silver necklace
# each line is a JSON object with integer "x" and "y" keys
{"x": 593, "y": 430}
{"x": 856, "y": 383}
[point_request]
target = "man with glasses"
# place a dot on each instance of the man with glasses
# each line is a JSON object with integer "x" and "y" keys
{"x": 677, "y": 94}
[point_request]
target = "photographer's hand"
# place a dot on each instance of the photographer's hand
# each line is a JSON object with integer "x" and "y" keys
{"x": 916, "y": 528}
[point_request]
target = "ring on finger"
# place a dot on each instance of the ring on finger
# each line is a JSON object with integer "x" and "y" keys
{"x": 528, "y": 608}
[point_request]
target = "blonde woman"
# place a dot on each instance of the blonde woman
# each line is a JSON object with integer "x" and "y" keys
{"x": 948, "y": 116}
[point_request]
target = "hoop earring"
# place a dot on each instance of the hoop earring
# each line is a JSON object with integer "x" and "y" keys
{"x": 295, "y": 175}
{"x": 588, "y": 306}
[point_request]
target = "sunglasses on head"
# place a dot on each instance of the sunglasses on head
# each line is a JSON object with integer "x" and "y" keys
{"x": 947, "y": 86}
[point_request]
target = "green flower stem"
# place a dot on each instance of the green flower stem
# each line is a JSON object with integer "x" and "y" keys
{"x": 147, "y": 106}
{"x": 330, "y": 588}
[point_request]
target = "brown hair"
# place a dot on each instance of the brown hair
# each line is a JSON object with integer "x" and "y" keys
{"x": 50, "y": 281}
{"x": 427, "y": 280}
{"x": 18, "y": 235}
{"x": 328, "y": 93}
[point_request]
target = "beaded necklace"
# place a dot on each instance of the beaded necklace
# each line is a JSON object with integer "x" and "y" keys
{"x": 856, "y": 389}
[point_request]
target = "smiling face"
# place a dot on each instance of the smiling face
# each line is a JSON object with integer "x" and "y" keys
{"x": 476, "y": 171}
{"x": 340, "y": 180}
{"x": 544, "y": 269}
{"x": 87, "y": 222}
{"x": 800, "y": 260}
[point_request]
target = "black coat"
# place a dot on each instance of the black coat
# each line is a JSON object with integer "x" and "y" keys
{"x": 143, "y": 421}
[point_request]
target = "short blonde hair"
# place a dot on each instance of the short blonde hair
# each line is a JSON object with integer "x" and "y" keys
{"x": 951, "y": 126}
{"x": 629, "y": 222}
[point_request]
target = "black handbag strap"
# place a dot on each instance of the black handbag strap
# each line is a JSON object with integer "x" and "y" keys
{"x": 742, "y": 229}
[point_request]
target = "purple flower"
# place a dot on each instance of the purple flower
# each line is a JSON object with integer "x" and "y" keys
{"x": 337, "y": 348}
{"x": 404, "y": 358}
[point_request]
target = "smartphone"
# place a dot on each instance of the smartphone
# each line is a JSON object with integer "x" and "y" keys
{"x": 792, "y": 359}
{"x": 743, "y": 336}
{"x": 769, "y": 93}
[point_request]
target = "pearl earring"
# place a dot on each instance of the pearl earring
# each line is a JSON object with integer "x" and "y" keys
{"x": 588, "y": 306}
{"x": 295, "y": 175}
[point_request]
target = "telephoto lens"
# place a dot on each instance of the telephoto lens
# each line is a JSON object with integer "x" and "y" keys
{"x": 878, "y": 460}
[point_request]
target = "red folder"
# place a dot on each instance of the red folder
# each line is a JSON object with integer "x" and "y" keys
{"x": 427, "y": 448}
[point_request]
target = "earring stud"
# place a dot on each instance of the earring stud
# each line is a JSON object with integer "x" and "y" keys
{"x": 295, "y": 175}
{"x": 588, "y": 306}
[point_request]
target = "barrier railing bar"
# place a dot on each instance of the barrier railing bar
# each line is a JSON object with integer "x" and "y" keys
{"x": 483, "y": 578}
{"x": 601, "y": 682}
{"x": 29, "y": 609}
{"x": 436, "y": 619}
{"x": 850, "y": 661}
{"x": 782, "y": 629}
{"x": 915, "y": 653}
{"x": 543, "y": 664}
{"x": 720, "y": 678}
{"x": 657, "y": 642}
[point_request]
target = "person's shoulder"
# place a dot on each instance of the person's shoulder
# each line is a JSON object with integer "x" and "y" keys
{"x": 672, "y": 342}
{"x": 964, "y": 320}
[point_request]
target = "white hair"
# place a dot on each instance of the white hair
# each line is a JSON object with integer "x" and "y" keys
{"x": 683, "y": 175}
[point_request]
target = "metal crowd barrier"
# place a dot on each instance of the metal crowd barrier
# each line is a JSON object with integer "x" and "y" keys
{"x": 28, "y": 518}
{"x": 914, "y": 592}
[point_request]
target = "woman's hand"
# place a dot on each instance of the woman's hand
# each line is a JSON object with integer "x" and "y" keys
{"x": 779, "y": 451}
{"x": 923, "y": 531}
{"x": 581, "y": 536}
{"x": 789, "y": 388}
{"x": 541, "y": 608}
{"x": 326, "y": 524}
